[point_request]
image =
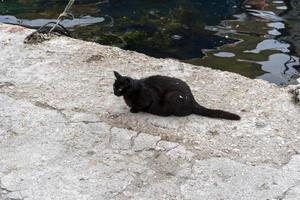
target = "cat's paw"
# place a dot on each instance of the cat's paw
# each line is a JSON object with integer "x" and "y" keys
{"x": 133, "y": 110}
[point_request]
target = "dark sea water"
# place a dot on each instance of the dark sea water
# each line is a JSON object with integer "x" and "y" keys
{"x": 239, "y": 36}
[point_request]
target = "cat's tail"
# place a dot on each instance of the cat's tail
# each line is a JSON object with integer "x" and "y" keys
{"x": 200, "y": 110}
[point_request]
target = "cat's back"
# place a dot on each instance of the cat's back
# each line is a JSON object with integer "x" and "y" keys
{"x": 165, "y": 83}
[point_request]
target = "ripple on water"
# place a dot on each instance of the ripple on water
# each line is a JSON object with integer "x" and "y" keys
{"x": 274, "y": 32}
{"x": 270, "y": 44}
{"x": 277, "y": 25}
{"x": 225, "y": 54}
{"x": 282, "y": 7}
{"x": 280, "y": 68}
{"x": 267, "y": 15}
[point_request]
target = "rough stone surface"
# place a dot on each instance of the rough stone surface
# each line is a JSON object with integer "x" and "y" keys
{"x": 64, "y": 135}
{"x": 295, "y": 90}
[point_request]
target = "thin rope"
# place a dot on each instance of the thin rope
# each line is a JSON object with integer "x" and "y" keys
{"x": 43, "y": 34}
{"x": 65, "y": 14}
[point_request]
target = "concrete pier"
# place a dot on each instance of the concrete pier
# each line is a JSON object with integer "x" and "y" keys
{"x": 65, "y": 136}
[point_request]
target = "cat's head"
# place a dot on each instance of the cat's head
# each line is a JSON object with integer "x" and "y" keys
{"x": 123, "y": 85}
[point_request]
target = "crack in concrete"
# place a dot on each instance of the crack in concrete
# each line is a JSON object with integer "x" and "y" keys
{"x": 46, "y": 106}
{"x": 6, "y": 84}
{"x": 132, "y": 139}
{"x": 286, "y": 192}
{"x": 78, "y": 122}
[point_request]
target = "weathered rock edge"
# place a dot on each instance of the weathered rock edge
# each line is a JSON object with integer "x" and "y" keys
{"x": 64, "y": 135}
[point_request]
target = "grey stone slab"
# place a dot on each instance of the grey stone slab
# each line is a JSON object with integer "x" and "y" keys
{"x": 64, "y": 135}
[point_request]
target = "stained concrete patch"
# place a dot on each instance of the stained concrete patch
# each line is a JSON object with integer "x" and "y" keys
{"x": 64, "y": 135}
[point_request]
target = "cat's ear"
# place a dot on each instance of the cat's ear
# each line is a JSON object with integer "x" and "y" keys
{"x": 117, "y": 75}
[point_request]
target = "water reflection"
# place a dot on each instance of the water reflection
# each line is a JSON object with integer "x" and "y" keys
{"x": 160, "y": 28}
{"x": 260, "y": 52}
{"x": 267, "y": 15}
{"x": 224, "y": 54}
{"x": 36, "y": 23}
{"x": 217, "y": 34}
{"x": 270, "y": 44}
{"x": 276, "y": 27}
{"x": 280, "y": 68}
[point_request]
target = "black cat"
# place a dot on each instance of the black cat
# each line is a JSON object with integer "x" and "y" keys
{"x": 164, "y": 96}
